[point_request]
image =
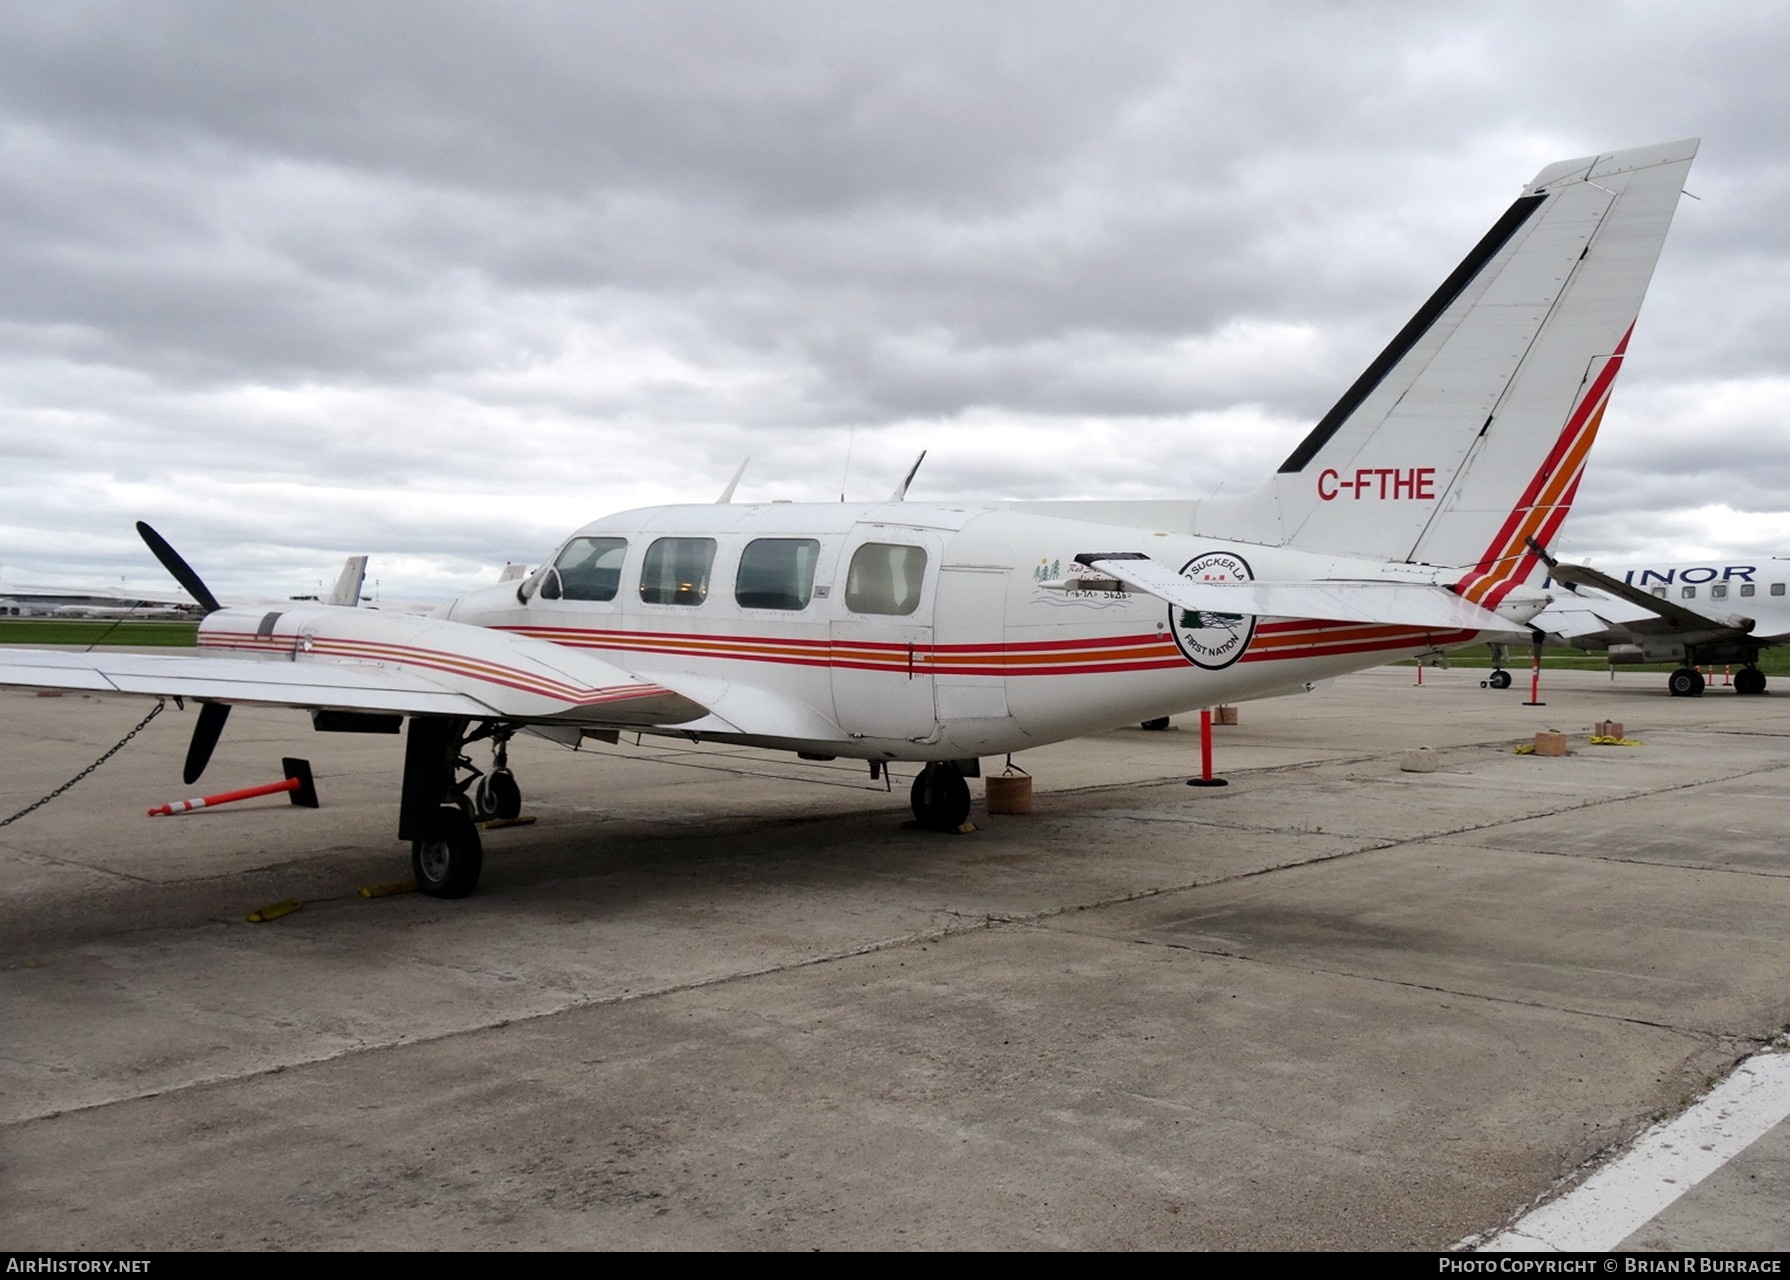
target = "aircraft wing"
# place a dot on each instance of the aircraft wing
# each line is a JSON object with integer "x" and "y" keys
{"x": 245, "y": 680}
{"x": 1676, "y": 616}
{"x": 1410, "y": 604}
{"x": 318, "y": 657}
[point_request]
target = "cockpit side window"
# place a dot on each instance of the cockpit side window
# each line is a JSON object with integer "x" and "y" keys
{"x": 885, "y": 578}
{"x": 677, "y": 571}
{"x": 588, "y": 569}
{"x": 776, "y": 573}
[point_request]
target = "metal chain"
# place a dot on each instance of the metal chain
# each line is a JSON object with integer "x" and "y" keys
{"x": 154, "y": 711}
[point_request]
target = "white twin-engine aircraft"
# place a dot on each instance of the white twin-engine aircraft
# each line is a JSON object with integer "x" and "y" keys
{"x": 1409, "y": 520}
{"x": 1708, "y": 612}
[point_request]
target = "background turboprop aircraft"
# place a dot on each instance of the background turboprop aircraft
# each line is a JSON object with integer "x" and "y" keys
{"x": 1413, "y": 517}
{"x": 1698, "y": 613}
{"x": 98, "y": 602}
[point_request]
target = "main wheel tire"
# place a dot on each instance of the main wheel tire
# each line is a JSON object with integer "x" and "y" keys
{"x": 1686, "y": 682}
{"x": 1749, "y": 681}
{"x": 447, "y": 858}
{"x": 1500, "y": 679}
{"x": 506, "y": 795}
{"x": 940, "y": 798}
{"x": 1160, "y": 722}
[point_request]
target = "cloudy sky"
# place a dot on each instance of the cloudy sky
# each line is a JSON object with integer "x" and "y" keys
{"x": 440, "y": 281}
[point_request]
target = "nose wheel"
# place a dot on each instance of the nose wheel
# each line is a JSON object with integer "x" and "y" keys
{"x": 497, "y": 796}
{"x": 489, "y": 796}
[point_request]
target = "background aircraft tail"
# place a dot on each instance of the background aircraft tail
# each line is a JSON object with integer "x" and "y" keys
{"x": 348, "y": 585}
{"x": 1467, "y": 436}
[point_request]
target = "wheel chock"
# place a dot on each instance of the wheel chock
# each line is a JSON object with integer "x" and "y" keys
{"x": 388, "y": 889}
{"x": 492, "y": 824}
{"x": 274, "y": 912}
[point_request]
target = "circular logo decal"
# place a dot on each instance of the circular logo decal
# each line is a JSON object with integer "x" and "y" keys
{"x": 1207, "y": 639}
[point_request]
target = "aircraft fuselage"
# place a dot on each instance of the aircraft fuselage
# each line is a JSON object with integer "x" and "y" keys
{"x": 906, "y": 631}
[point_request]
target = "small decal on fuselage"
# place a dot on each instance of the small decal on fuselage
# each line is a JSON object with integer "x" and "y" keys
{"x": 1207, "y": 639}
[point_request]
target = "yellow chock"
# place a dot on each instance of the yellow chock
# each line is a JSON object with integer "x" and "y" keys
{"x": 275, "y": 911}
{"x": 495, "y": 823}
{"x": 1526, "y": 749}
{"x": 387, "y": 890}
{"x": 1607, "y": 741}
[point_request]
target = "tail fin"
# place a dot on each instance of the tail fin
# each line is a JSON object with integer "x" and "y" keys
{"x": 1467, "y": 436}
{"x": 347, "y": 588}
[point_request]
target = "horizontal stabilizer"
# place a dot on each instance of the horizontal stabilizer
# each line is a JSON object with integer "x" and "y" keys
{"x": 1407, "y": 604}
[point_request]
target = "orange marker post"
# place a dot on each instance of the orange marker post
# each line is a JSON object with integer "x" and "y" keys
{"x": 298, "y": 784}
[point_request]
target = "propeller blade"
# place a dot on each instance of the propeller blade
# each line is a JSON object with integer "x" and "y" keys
{"x": 181, "y": 571}
{"x": 205, "y": 739}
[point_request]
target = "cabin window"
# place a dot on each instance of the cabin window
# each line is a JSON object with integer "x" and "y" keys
{"x": 1660, "y": 592}
{"x": 677, "y": 571}
{"x": 1689, "y": 593}
{"x": 1746, "y": 588}
{"x": 1719, "y": 591}
{"x": 776, "y": 573}
{"x": 588, "y": 569}
{"x": 885, "y": 578}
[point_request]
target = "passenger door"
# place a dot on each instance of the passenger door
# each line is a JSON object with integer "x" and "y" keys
{"x": 881, "y": 634}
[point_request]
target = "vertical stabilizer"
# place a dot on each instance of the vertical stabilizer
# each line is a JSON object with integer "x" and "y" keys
{"x": 348, "y": 585}
{"x": 1467, "y": 435}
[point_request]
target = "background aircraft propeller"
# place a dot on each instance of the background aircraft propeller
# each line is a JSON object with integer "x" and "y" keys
{"x": 212, "y": 715}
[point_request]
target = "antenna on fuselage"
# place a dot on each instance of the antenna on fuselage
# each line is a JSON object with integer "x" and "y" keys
{"x": 901, "y": 489}
{"x": 851, "y": 438}
{"x": 727, "y": 493}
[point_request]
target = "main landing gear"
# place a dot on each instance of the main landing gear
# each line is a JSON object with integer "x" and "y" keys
{"x": 940, "y": 797}
{"x": 437, "y": 815}
{"x": 1686, "y": 682}
{"x": 446, "y": 858}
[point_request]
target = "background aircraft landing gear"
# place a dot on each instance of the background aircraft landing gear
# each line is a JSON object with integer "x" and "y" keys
{"x": 940, "y": 797}
{"x": 1500, "y": 678}
{"x": 1749, "y": 681}
{"x": 1686, "y": 682}
{"x": 446, "y": 858}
